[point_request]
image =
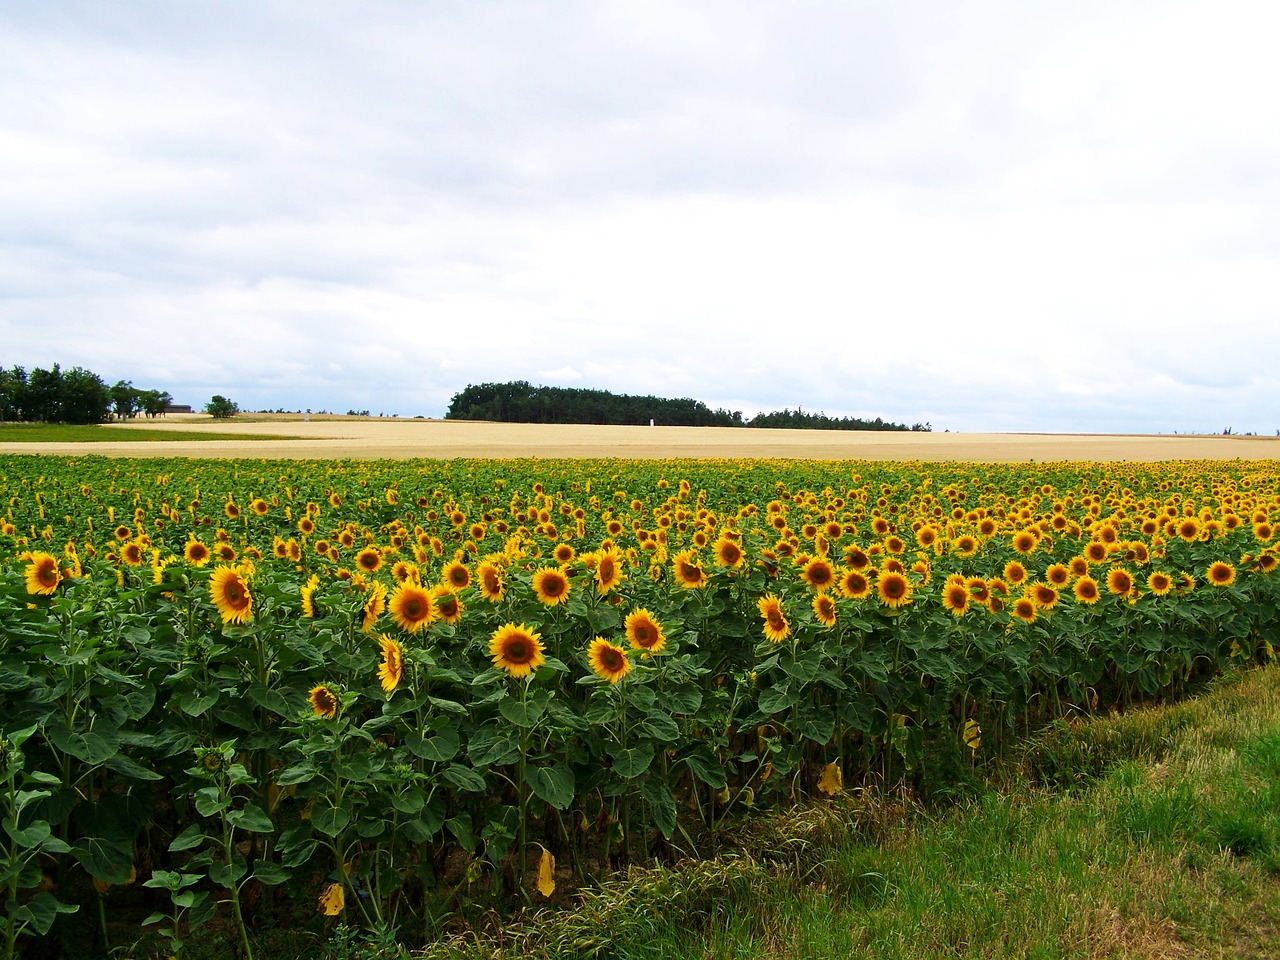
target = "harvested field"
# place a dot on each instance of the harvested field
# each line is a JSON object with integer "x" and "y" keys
{"x": 392, "y": 438}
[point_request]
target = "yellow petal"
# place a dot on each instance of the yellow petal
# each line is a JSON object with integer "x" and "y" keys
{"x": 832, "y": 780}
{"x": 546, "y": 873}
{"x": 972, "y": 734}
{"x": 332, "y": 900}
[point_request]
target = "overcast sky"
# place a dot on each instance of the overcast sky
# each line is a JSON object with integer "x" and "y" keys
{"x": 988, "y": 216}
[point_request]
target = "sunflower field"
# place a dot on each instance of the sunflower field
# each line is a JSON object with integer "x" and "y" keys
{"x": 381, "y": 689}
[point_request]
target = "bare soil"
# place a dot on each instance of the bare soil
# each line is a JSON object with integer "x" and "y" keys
{"x": 332, "y": 437}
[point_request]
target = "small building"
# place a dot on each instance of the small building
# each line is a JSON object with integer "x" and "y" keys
{"x": 178, "y": 408}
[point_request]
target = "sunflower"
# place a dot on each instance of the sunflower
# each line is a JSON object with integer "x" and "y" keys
{"x": 1078, "y": 566}
{"x": 1044, "y": 595}
{"x": 448, "y": 606}
{"x": 42, "y": 573}
{"x": 1221, "y": 574}
{"x": 1015, "y": 572}
{"x": 122, "y": 533}
{"x": 1119, "y": 581}
{"x": 456, "y": 575}
{"x": 1159, "y": 583}
{"x": 1086, "y": 590}
{"x": 824, "y": 610}
{"x": 391, "y": 669}
{"x": 411, "y": 607}
{"x": 894, "y": 589}
{"x": 728, "y": 553}
{"x": 374, "y": 605}
{"x": 1188, "y": 529}
{"x": 608, "y": 571}
{"x": 551, "y": 586}
{"x": 776, "y": 626}
{"x": 131, "y": 553}
{"x": 855, "y": 585}
{"x": 259, "y": 506}
{"x": 1096, "y": 551}
{"x": 230, "y": 594}
{"x": 1024, "y": 608}
{"x": 955, "y": 599}
{"x": 856, "y": 557}
{"x": 516, "y": 650}
{"x": 1058, "y": 574}
{"x": 644, "y": 632}
{"x": 369, "y": 559}
{"x": 306, "y": 594}
{"x": 1025, "y": 541}
{"x": 818, "y": 574}
{"x": 489, "y": 579}
{"x": 688, "y": 570}
{"x": 231, "y": 510}
{"x": 324, "y": 702}
{"x": 609, "y": 662}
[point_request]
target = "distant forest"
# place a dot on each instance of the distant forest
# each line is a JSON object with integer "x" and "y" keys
{"x": 521, "y": 402}
{"x": 73, "y": 396}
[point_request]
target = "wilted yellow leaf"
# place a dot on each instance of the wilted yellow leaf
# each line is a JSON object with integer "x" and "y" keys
{"x": 332, "y": 900}
{"x": 546, "y": 873}
{"x": 972, "y": 734}
{"x": 832, "y": 780}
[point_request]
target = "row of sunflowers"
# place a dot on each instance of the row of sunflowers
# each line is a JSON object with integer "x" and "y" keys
{"x": 381, "y": 685}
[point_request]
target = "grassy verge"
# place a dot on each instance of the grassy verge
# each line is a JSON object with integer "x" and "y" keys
{"x": 95, "y": 433}
{"x": 1153, "y": 834}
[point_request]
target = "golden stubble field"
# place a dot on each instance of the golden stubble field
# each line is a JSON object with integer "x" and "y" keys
{"x": 329, "y": 437}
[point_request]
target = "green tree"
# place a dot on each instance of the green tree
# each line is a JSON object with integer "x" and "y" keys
{"x": 125, "y": 399}
{"x": 85, "y": 397}
{"x": 154, "y": 402}
{"x": 221, "y": 408}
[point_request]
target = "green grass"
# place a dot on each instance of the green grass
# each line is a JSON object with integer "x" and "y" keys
{"x": 1152, "y": 834}
{"x": 96, "y": 433}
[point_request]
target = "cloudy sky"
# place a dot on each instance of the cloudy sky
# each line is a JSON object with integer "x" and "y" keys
{"x": 990, "y": 216}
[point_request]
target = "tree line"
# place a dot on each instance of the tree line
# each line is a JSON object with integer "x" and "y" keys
{"x": 521, "y": 402}
{"x": 73, "y": 396}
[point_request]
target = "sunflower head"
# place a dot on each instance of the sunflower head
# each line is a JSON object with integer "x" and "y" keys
{"x": 776, "y": 626}
{"x": 42, "y": 573}
{"x": 608, "y": 661}
{"x": 411, "y": 607}
{"x": 644, "y": 632}
{"x": 391, "y": 669}
{"x": 516, "y": 649}
{"x": 1221, "y": 574}
{"x": 324, "y": 702}
{"x": 230, "y": 594}
{"x": 551, "y": 586}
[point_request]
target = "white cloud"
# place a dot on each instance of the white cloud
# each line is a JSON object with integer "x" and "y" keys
{"x": 1001, "y": 216}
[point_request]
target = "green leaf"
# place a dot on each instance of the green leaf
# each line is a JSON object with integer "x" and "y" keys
{"x": 188, "y": 839}
{"x": 42, "y": 911}
{"x": 298, "y": 773}
{"x": 195, "y": 704}
{"x": 269, "y": 699}
{"x": 330, "y": 821}
{"x": 554, "y": 785}
{"x": 297, "y": 856}
{"x": 28, "y": 837}
{"x": 464, "y": 778}
{"x": 659, "y": 726}
{"x": 126, "y": 765}
{"x": 252, "y": 819}
{"x": 661, "y": 805}
{"x": 524, "y": 714}
{"x": 704, "y": 765}
{"x": 228, "y": 874}
{"x": 439, "y": 748}
{"x": 409, "y": 801}
{"x": 91, "y": 746}
{"x": 776, "y": 699}
{"x": 632, "y": 762}
{"x": 269, "y": 873}
{"x": 460, "y": 827}
{"x": 109, "y": 861}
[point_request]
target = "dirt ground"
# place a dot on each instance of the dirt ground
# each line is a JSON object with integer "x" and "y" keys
{"x": 391, "y": 438}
